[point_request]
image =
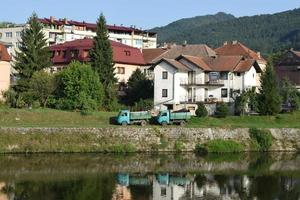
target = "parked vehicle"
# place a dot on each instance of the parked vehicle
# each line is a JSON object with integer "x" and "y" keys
{"x": 126, "y": 117}
{"x": 167, "y": 117}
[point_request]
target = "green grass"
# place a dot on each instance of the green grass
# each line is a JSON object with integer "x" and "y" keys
{"x": 56, "y": 118}
{"x": 220, "y": 146}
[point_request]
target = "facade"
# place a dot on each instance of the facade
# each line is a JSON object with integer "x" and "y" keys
{"x": 63, "y": 30}
{"x": 289, "y": 67}
{"x": 5, "y": 70}
{"x": 126, "y": 58}
{"x": 183, "y": 82}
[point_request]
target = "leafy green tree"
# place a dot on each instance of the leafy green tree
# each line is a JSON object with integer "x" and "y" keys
{"x": 78, "y": 87}
{"x": 269, "y": 99}
{"x": 102, "y": 63}
{"x": 42, "y": 85}
{"x": 222, "y": 110}
{"x": 139, "y": 87}
{"x": 33, "y": 55}
{"x": 201, "y": 110}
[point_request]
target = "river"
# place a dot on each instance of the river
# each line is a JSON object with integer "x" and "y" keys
{"x": 150, "y": 176}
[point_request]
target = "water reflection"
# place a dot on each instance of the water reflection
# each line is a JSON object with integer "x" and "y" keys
{"x": 143, "y": 177}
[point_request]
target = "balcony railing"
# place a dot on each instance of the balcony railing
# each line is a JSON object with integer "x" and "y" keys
{"x": 215, "y": 82}
{"x": 191, "y": 99}
{"x": 195, "y": 81}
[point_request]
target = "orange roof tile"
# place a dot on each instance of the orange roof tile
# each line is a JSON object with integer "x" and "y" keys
{"x": 4, "y": 56}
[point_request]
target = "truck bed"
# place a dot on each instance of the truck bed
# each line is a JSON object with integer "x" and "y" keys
{"x": 180, "y": 116}
{"x": 143, "y": 115}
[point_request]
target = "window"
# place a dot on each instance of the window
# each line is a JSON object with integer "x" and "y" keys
{"x": 18, "y": 44}
{"x": 57, "y": 53}
{"x": 0, "y": 35}
{"x": 224, "y": 92}
{"x": 164, "y": 75}
{"x": 18, "y": 34}
{"x": 8, "y": 34}
{"x": 52, "y": 54}
{"x": 85, "y": 53}
{"x": 121, "y": 70}
{"x": 163, "y": 192}
{"x": 127, "y": 53}
{"x": 64, "y": 54}
{"x": 224, "y": 75}
{"x": 238, "y": 74}
{"x": 74, "y": 53}
{"x": 164, "y": 93}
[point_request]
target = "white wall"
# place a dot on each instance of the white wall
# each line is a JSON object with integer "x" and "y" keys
{"x": 250, "y": 79}
{"x": 4, "y": 77}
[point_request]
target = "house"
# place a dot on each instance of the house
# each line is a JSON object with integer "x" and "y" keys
{"x": 289, "y": 67}
{"x": 126, "y": 58}
{"x": 153, "y": 55}
{"x": 183, "y": 82}
{"x": 59, "y": 31}
{"x": 5, "y": 70}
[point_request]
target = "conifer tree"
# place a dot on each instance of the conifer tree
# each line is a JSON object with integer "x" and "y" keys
{"x": 102, "y": 63}
{"x": 33, "y": 54}
{"x": 269, "y": 98}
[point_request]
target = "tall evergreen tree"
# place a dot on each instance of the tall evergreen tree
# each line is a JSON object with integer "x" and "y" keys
{"x": 269, "y": 98}
{"x": 33, "y": 55}
{"x": 102, "y": 63}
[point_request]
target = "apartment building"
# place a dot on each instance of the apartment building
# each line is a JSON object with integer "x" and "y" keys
{"x": 187, "y": 80}
{"x": 5, "y": 69}
{"x": 126, "y": 58}
{"x": 58, "y": 31}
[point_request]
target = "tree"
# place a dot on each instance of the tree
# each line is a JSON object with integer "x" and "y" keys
{"x": 269, "y": 99}
{"x": 222, "y": 110}
{"x": 201, "y": 110}
{"x": 102, "y": 63}
{"x": 139, "y": 87}
{"x": 42, "y": 86}
{"x": 78, "y": 87}
{"x": 33, "y": 54}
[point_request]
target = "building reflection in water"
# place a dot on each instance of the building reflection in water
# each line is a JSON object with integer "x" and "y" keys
{"x": 166, "y": 186}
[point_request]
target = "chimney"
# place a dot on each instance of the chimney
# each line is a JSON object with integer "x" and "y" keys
{"x": 52, "y": 19}
{"x": 65, "y": 20}
{"x": 259, "y": 54}
{"x": 234, "y": 42}
{"x": 225, "y": 43}
{"x": 184, "y": 43}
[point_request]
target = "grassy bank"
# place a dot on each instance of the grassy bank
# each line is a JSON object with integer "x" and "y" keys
{"x": 56, "y": 118}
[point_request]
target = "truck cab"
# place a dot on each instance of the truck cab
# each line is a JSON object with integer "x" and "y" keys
{"x": 123, "y": 117}
{"x": 163, "y": 117}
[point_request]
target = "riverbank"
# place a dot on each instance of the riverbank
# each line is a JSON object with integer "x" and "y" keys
{"x": 55, "y": 118}
{"x": 146, "y": 139}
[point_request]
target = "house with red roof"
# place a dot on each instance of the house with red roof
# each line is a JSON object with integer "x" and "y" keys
{"x": 183, "y": 82}
{"x": 126, "y": 58}
{"x": 5, "y": 70}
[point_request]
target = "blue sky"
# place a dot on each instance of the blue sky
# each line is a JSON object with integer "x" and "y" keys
{"x": 143, "y": 14}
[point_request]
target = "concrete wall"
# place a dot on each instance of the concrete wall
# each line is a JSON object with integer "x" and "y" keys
{"x": 129, "y": 69}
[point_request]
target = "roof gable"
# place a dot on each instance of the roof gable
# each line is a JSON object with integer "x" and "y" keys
{"x": 174, "y": 63}
{"x": 4, "y": 56}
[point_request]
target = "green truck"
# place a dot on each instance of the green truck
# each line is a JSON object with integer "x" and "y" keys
{"x": 167, "y": 117}
{"x": 126, "y": 117}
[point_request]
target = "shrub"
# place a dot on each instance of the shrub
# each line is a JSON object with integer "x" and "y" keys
{"x": 143, "y": 105}
{"x": 178, "y": 146}
{"x": 220, "y": 146}
{"x": 222, "y": 110}
{"x": 201, "y": 110}
{"x": 78, "y": 88}
{"x": 122, "y": 148}
{"x": 263, "y": 138}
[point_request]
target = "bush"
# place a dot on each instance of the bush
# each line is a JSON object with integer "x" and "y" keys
{"x": 178, "y": 146}
{"x": 220, "y": 146}
{"x": 78, "y": 88}
{"x": 222, "y": 110}
{"x": 263, "y": 138}
{"x": 142, "y": 105}
{"x": 201, "y": 110}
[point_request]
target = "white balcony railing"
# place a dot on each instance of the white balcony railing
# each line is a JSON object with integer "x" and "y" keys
{"x": 191, "y": 99}
{"x": 195, "y": 81}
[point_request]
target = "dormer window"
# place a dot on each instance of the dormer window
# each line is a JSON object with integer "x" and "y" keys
{"x": 127, "y": 53}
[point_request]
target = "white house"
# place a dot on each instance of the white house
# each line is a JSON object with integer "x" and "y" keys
{"x": 183, "y": 82}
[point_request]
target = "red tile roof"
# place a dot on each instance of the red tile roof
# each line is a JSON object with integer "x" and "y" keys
{"x": 238, "y": 49}
{"x": 4, "y": 56}
{"x": 121, "y": 53}
{"x": 297, "y": 53}
{"x": 175, "y": 64}
{"x": 151, "y": 54}
{"x": 198, "y": 61}
{"x": 92, "y": 26}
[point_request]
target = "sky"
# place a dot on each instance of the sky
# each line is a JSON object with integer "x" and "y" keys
{"x": 142, "y": 14}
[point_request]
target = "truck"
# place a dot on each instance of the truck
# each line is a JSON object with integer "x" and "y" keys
{"x": 167, "y": 117}
{"x": 127, "y": 117}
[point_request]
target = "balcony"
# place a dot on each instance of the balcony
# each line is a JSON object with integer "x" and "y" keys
{"x": 191, "y": 99}
{"x": 217, "y": 82}
{"x": 191, "y": 82}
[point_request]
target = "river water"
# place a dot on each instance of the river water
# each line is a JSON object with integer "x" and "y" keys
{"x": 150, "y": 176}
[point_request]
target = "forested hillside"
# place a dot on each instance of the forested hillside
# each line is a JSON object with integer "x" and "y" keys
{"x": 265, "y": 33}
